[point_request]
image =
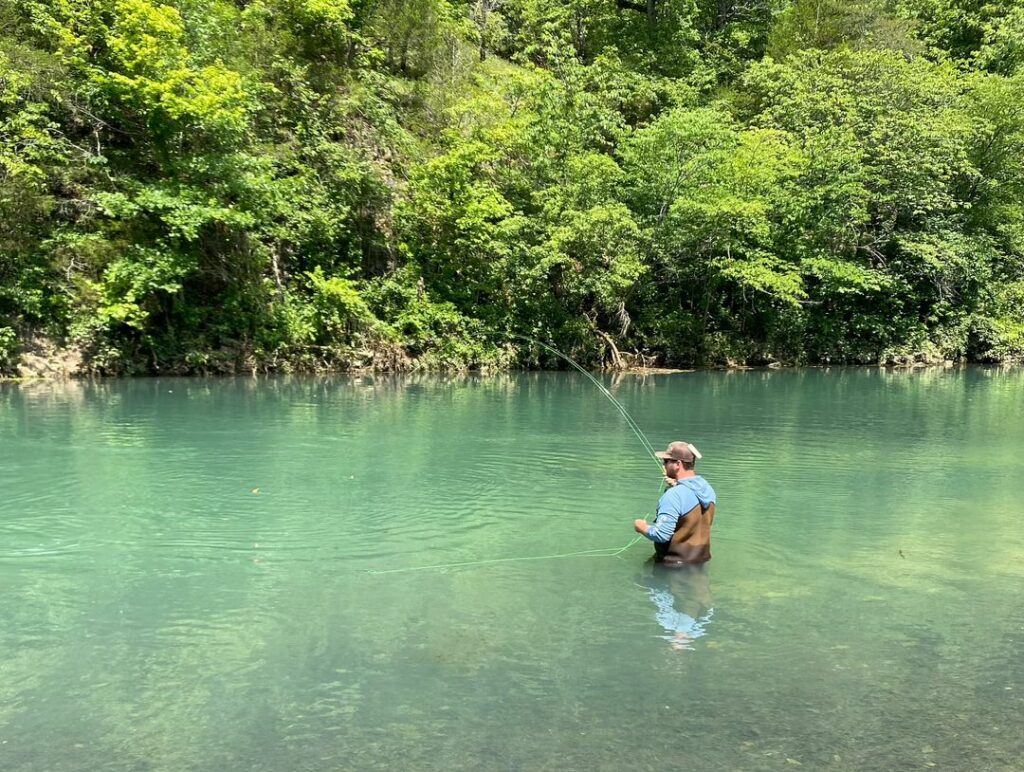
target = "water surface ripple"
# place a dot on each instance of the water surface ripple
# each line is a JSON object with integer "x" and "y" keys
{"x": 219, "y": 574}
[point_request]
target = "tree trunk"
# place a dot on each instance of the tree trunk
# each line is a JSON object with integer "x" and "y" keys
{"x": 616, "y": 356}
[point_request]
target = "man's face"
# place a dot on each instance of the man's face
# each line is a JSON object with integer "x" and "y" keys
{"x": 672, "y": 467}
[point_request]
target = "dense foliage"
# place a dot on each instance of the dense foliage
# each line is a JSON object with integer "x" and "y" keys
{"x": 206, "y": 185}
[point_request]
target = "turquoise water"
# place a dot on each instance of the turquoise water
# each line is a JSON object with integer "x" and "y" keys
{"x": 218, "y": 574}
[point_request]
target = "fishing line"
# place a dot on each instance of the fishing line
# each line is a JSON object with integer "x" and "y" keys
{"x": 607, "y": 552}
{"x": 601, "y": 387}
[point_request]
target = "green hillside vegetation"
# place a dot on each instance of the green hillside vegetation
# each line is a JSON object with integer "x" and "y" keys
{"x": 284, "y": 185}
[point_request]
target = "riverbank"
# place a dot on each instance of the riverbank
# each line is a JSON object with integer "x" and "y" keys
{"x": 44, "y": 360}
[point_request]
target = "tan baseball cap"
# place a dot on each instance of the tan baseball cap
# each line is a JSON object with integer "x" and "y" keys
{"x": 680, "y": 451}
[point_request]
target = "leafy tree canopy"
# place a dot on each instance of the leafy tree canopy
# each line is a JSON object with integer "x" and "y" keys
{"x": 202, "y": 185}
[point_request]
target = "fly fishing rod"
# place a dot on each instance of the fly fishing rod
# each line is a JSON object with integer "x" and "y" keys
{"x": 594, "y": 553}
{"x": 600, "y": 386}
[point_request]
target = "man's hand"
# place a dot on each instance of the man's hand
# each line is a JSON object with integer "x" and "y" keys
{"x": 640, "y": 526}
{"x": 670, "y": 481}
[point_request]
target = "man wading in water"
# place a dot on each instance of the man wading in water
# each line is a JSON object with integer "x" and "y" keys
{"x": 682, "y": 530}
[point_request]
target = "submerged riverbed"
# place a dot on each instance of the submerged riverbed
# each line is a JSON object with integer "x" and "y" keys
{"x": 218, "y": 574}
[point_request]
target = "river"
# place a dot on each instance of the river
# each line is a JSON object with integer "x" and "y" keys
{"x": 381, "y": 573}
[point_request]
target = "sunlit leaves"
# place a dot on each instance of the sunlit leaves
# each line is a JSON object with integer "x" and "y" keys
{"x": 130, "y": 284}
{"x": 711, "y": 193}
{"x": 297, "y": 182}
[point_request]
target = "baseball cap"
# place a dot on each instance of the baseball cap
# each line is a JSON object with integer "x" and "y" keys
{"x": 680, "y": 451}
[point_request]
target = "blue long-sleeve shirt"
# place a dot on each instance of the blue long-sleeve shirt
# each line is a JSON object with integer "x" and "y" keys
{"x": 676, "y": 502}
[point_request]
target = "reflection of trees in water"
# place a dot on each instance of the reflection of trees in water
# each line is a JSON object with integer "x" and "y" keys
{"x": 683, "y": 602}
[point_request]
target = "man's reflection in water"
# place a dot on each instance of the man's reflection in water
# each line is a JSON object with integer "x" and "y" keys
{"x": 682, "y": 596}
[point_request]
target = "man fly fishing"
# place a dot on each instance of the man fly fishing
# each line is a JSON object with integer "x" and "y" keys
{"x": 681, "y": 532}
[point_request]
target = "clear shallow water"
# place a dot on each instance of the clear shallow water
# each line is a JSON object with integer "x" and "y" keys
{"x": 187, "y": 573}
